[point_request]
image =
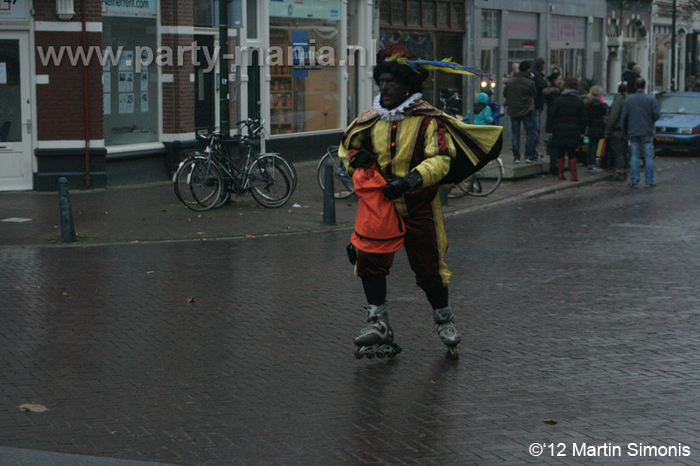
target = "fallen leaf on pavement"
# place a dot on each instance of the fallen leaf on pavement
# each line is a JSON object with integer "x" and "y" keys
{"x": 250, "y": 236}
{"x": 190, "y": 300}
{"x": 33, "y": 407}
{"x": 550, "y": 421}
{"x": 150, "y": 272}
{"x": 201, "y": 233}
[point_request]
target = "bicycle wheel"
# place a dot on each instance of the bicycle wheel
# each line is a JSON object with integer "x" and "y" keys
{"x": 206, "y": 184}
{"x": 181, "y": 183}
{"x": 271, "y": 181}
{"x": 461, "y": 189}
{"x": 342, "y": 181}
{"x": 487, "y": 180}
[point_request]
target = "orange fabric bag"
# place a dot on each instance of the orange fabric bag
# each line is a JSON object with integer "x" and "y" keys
{"x": 378, "y": 228}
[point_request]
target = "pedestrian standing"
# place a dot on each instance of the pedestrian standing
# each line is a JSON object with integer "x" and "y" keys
{"x": 550, "y": 94}
{"x": 628, "y": 77}
{"x": 639, "y": 112}
{"x": 596, "y": 112}
{"x": 568, "y": 126}
{"x": 413, "y": 144}
{"x": 616, "y": 142}
{"x": 520, "y": 92}
{"x": 540, "y": 83}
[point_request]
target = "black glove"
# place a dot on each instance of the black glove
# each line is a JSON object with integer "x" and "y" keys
{"x": 396, "y": 187}
{"x": 363, "y": 159}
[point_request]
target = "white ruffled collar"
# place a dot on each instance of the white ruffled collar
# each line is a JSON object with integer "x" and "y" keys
{"x": 395, "y": 114}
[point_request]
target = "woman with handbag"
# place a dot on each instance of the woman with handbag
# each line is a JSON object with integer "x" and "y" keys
{"x": 569, "y": 120}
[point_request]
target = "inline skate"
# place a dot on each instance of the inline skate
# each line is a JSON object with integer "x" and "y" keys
{"x": 447, "y": 331}
{"x": 377, "y": 339}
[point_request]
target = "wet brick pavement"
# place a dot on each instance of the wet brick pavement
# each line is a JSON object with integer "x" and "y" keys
{"x": 579, "y": 306}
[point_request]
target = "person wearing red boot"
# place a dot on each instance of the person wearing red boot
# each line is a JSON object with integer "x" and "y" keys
{"x": 569, "y": 122}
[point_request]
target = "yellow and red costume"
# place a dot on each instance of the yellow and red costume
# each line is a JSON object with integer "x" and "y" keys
{"x": 422, "y": 138}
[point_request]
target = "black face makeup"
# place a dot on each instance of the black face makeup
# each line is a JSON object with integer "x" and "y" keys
{"x": 392, "y": 92}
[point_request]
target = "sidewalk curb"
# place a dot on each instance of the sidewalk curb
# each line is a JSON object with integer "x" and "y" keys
{"x": 564, "y": 185}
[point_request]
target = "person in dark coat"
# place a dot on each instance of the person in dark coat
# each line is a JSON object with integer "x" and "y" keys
{"x": 540, "y": 83}
{"x": 628, "y": 77}
{"x": 520, "y": 92}
{"x": 617, "y": 144}
{"x": 550, "y": 93}
{"x": 569, "y": 120}
{"x": 596, "y": 111}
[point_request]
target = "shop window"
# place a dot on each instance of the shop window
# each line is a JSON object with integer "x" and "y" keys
{"x": 206, "y": 13}
{"x": 203, "y": 13}
{"x": 442, "y": 15}
{"x": 398, "y": 12}
{"x": 304, "y": 89}
{"x": 448, "y": 84}
{"x": 252, "y": 19}
{"x": 429, "y": 45}
{"x": 414, "y": 13}
{"x": 490, "y": 23}
{"x": 521, "y": 49}
{"x": 456, "y": 15}
{"x": 384, "y": 12}
{"x": 130, "y": 86}
{"x": 428, "y": 13}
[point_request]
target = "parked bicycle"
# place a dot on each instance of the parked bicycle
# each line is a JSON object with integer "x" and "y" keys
{"x": 482, "y": 183}
{"x": 342, "y": 181}
{"x": 206, "y": 180}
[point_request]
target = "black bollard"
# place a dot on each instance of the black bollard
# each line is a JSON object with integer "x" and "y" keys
{"x": 67, "y": 225}
{"x": 443, "y": 195}
{"x": 328, "y": 194}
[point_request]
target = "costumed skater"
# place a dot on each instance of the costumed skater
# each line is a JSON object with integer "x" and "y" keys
{"x": 417, "y": 148}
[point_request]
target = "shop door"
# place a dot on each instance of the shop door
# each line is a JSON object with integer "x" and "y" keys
{"x": 15, "y": 116}
{"x": 204, "y": 85}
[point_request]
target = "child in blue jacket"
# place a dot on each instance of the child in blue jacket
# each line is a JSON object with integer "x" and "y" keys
{"x": 482, "y": 112}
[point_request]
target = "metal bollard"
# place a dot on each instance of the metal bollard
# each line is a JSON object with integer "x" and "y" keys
{"x": 443, "y": 195}
{"x": 328, "y": 194}
{"x": 67, "y": 225}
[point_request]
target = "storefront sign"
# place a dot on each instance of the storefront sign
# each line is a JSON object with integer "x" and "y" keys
{"x": 313, "y": 9}
{"x": 522, "y": 26}
{"x": 300, "y": 52}
{"x": 14, "y": 9}
{"x": 568, "y": 29}
{"x": 135, "y": 8}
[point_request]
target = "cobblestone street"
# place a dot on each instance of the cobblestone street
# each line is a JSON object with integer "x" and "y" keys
{"x": 579, "y": 311}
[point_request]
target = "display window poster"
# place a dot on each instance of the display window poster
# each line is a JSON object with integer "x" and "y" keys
{"x": 300, "y": 50}
{"x": 312, "y": 9}
{"x": 13, "y": 9}
{"x": 107, "y": 103}
{"x": 144, "y": 102}
{"x": 107, "y": 82}
{"x": 126, "y": 81}
{"x": 126, "y": 103}
{"x": 3, "y": 73}
{"x": 144, "y": 81}
{"x": 126, "y": 61}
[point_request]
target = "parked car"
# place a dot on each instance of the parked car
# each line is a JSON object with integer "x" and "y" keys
{"x": 678, "y": 129}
